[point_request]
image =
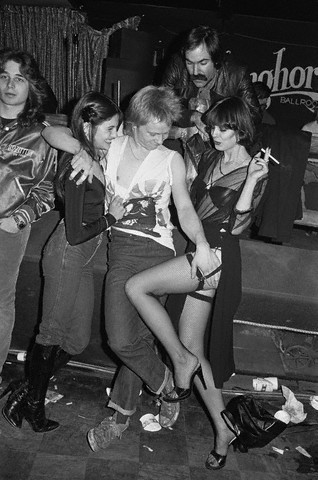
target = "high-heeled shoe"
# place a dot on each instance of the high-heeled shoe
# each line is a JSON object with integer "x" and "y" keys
{"x": 179, "y": 394}
{"x": 215, "y": 461}
{"x": 12, "y": 410}
{"x": 11, "y": 387}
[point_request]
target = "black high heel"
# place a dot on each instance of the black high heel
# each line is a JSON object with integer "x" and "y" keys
{"x": 11, "y": 387}
{"x": 179, "y": 394}
{"x": 215, "y": 461}
{"x": 12, "y": 410}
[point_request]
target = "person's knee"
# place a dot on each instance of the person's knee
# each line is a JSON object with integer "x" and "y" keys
{"x": 133, "y": 289}
{"x": 119, "y": 346}
{"x": 124, "y": 342}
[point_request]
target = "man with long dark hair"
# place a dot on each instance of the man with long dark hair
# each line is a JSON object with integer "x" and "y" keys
{"x": 201, "y": 73}
{"x": 27, "y": 166}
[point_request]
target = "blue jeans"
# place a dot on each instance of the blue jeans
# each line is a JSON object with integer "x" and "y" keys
{"x": 128, "y": 335}
{"x": 12, "y": 249}
{"x": 68, "y": 297}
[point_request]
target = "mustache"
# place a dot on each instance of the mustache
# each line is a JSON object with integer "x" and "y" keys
{"x": 198, "y": 77}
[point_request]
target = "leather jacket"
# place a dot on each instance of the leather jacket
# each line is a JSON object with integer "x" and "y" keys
{"x": 27, "y": 169}
{"x": 231, "y": 80}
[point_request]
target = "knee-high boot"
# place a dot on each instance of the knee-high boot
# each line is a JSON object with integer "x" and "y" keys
{"x": 61, "y": 359}
{"x": 40, "y": 371}
{"x": 18, "y": 389}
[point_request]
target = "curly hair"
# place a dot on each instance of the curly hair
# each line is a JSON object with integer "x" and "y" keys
{"x": 232, "y": 113}
{"x": 153, "y": 102}
{"x": 32, "y": 111}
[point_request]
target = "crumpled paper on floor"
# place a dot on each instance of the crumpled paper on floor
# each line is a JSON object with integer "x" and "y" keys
{"x": 52, "y": 397}
{"x": 150, "y": 422}
{"x": 293, "y": 407}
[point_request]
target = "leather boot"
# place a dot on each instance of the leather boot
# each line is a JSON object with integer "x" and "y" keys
{"x": 13, "y": 408}
{"x": 61, "y": 359}
{"x": 40, "y": 371}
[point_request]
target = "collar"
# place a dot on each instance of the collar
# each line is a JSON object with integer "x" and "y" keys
{"x": 7, "y": 124}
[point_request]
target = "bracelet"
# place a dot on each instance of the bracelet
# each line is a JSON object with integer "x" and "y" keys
{"x": 242, "y": 212}
{"x": 21, "y": 224}
{"x": 109, "y": 220}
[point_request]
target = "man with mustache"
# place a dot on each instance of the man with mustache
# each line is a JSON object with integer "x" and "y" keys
{"x": 201, "y": 74}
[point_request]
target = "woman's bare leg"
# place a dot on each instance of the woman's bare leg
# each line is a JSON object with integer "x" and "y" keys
{"x": 142, "y": 289}
{"x": 192, "y": 326}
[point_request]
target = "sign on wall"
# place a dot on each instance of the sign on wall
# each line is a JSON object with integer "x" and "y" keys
{"x": 291, "y": 71}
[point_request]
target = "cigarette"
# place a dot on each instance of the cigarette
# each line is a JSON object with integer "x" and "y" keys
{"x": 271, "y": 156}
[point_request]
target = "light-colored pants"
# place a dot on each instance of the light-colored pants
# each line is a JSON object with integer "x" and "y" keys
{"x": 12, "y": 249}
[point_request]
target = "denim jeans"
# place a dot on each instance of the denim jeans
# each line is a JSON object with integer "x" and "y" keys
{"x": 12, "y": 249}
{"x": 128, "y": 336}
{"x": 68, "y": 297}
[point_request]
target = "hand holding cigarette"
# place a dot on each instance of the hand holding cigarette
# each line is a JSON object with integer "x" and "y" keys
{"x": 271, "y": 157}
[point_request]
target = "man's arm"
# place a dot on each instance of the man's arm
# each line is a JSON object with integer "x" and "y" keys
{"x": 40, "y": 198}
{"x": 62, "y": 139}
{"x": 175, "y": 77}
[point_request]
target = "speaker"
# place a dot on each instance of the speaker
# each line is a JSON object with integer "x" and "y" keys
{"x": 122, "y": 78}
{"x": 132, "y": 45}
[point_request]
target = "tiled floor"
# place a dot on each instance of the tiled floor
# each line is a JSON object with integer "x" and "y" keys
{"x": 170, "y": 454}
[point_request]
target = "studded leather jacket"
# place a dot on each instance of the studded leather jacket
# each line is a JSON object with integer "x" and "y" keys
{"x": 27, "y": 169}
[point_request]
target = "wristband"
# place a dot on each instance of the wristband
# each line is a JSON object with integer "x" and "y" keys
{"x": 242, "y": 212}
{"x": 109, "y": 220}
{"x": 19, "y": 221}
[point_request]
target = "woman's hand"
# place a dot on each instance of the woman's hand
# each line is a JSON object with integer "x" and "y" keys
{"x": 82, "y": 163}
{"x": 116, "y": 208}
{"x": 258, "y": 167}
{"x": 206, "y": 261}
{"x": 196, "y": 119}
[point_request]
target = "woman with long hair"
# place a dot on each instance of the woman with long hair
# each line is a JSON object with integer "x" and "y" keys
{"x": 227, "y": 189}
{"x": 68, "y": 297}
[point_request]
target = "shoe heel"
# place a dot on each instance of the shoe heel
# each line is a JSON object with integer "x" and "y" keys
{"x": 11, "y": 388}
{"x": 7, "y": 390}
{"x": 199, "y": 372}
{"x": 237, "y": 445}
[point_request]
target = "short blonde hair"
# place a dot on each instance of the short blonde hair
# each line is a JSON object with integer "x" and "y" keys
{"x": 153, "y": 102}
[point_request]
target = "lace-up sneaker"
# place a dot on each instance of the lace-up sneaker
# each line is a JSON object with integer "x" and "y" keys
{"x": 169, "y": 412}
{"x": 101, "y": 436}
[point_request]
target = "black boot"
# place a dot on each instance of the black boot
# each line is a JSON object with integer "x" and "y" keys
{"x": 40, "y": 371}
{"x": 13, "y": 408}
{"x": 61, "y": 359}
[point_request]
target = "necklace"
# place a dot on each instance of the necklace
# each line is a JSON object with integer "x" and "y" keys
{"x": 220, "y": 163}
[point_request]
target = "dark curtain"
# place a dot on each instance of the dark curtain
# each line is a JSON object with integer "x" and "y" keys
{"x": 69, "y": 52}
